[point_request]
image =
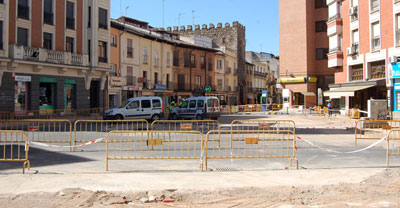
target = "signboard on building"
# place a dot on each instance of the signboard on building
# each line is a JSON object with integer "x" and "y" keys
{"x": 161, "y": 87}
{"x": 264, "y": 93}
{"x": 396, "y": 70}
{"x": 22, "y": 78}
{"x": 292, "y": 80}
{"x": 320, "y": 97}
{"x": 116, "y": 82}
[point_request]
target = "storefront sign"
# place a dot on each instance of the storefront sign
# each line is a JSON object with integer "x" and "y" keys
{"x": 396, "y": 70}
{"x": 22, "y": 78}
{"x": 264, "y": 93}
{"x": 116, "y": 82}
{"x": 148, "y": 93}
{"x": 70, "y": 81}
{"x": 292, "y": 80}
{"x": 161, "y": 87}
{"x": 48, "y": 80}
{"x": 312, "y": 79}
{"x": 131, "y": 88}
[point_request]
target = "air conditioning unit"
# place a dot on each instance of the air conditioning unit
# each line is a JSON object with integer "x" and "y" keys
{"x": 393, "y": 59}
{"x": 349, "y": 51}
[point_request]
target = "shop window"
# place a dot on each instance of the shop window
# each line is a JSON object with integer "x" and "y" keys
{"x": 357, "y": 72}
{"x": 21, "y": 97}
{"x": 46, "y": 96}
{"x": 378, "y": 70}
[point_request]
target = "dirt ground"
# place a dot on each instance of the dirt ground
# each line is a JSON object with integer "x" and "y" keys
{"x": 380, "y": 190}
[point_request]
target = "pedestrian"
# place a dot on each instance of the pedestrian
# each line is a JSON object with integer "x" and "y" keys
{"x": 171, "y": 106}
{"x": 330, "y": 106}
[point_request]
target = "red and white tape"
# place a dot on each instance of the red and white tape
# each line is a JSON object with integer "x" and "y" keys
{"x": 334, "y": 151}
{"x": 58, "y": 146}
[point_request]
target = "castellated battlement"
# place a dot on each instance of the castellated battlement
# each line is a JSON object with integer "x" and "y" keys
{"x": 211, "y": 26}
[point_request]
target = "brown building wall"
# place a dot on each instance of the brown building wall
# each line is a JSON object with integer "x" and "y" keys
{"x": 341, "y": 73}
{"x": 36, "y": 27}
{"x": 79, "y": 27}
{"x": 116, "y": 51}
{"x": 60, "y": 25}
{"x": 387, "y": 24}
{"x": 364, "y": 26}
{"x": 12, "y": 22}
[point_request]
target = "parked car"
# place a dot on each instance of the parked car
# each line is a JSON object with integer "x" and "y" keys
{"x": 198, "y": 108}
{"x": 150, "y": 108}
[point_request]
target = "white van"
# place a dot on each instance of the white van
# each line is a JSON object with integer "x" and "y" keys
{"x": 150, "y": 108}
{"x": 198, "y": 108}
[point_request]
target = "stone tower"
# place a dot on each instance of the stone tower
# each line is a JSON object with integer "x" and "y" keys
{"x": 232, "y": 37}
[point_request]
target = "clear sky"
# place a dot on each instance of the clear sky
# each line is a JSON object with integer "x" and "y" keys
{"x": 259, "y": 16}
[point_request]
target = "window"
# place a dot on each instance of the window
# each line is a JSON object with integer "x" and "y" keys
{"x": 22, "y": 36}
{"x": 202, "y": 62}
{"x": 48, "y": 15}
{"x": 133, "y": 105}
{"x": 193, "y": 61}
{"x": 48, "y": 41}
{"x": 200, "y": 103}
{"x": 320, "y": 4}
{"x": 102, "y": 52}
{"x": 320, "y": 26}
{"x": 113, "y": 40}
{"x": 168, "y": 59}
{"x": 321, "y": 53}
{"x": 219, "y": 81}
{"x": 156, "y": 58}
{"x": 167, "y": 81}
{"x": 112, "y": 70}
{"x": 378, "y": 70}
{"x": 89, "y": 17}
{"x": 186, "y": 57}
{"x": 103, "y": 18}
{"x": 192, "y": 104}
{"x": 209, "y": 80}
{"x": 334, "y": 11}
{"x": 69, "y": 46}
{"x": 333, "y": 44}
{"x": 376, "y": 36}
{"x": 374, "y": 5}
{"x": 156, "y": 103}
{"x": 70, "y": 19}
{"x": 219, "y": 64}
{"x": 176, "y": 58}
{"x": 145, "y": 55}
{"x": 397, "y": 29}
{"x": 1, "y": 1}
{"x": 129, "y": 73}
{"x": 155, "y": 78}
{"x": 146, "y": 104}
{"x": 198, "y": 80}
{"x": 357, "y": 72}
{"x": 1, "y": 35}
{"x": 129, "y": 48}
{"x": 23, "y": 9}
{"x": 210, "y": 66}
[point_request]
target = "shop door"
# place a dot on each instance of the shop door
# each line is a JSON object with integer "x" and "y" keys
{"x": 21, "y": 98}
{"x": 68, "y": 97}
{"x": 94, "y": 94}
{"x": 46, "y": 97}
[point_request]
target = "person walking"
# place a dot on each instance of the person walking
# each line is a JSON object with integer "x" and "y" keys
{"x": 330, "y": 106}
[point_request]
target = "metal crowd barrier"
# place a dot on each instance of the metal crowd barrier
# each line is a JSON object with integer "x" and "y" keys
{"x": 393, "y": 144}
{"x": 185, "y": 125}
{"x": 153, "y": 145}
{"x": 374, "y": 129}
{"x": 263, "y": 125}
{"x": 45, "y": 131}
{"x": 354, "y": 113}
{"x": 250, "y": 144}
{"x": 88, "y": 130}
{"x": 15, "y": 147}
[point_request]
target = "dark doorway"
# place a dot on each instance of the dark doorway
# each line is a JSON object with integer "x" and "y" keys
{"x": 94, "y": 94}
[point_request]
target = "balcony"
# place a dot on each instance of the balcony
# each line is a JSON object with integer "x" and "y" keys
{"x": 334, "y": 18}
{"x": 228, "y": 70}
{"x": 23, "y": 12}
{"x": 48, "y": 56}
{"x": 335, "y": 57}
{"x": 334, "y": 27}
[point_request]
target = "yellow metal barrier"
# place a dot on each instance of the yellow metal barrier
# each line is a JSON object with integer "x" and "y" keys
{"x": 46, "y": 131}
{"x": 393, "y": 144}
{"x": 185, "y": 125}
{"x": 276, "y": 107}
{"x": 317, "y": 110}
{"x": 326, "y": 111}
{"x": 263, "y": 125}
{"x": 354, "y": 113}
{"x": 15, "y": 147}
{"x": 248, "y": 144}
{"x": 88, "y": 130}
{"x": 374, "y": 129}
{"x": 154, "y": 145}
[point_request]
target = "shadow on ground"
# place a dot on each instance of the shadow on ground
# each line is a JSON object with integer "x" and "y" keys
{"x": 37, "y": 157}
